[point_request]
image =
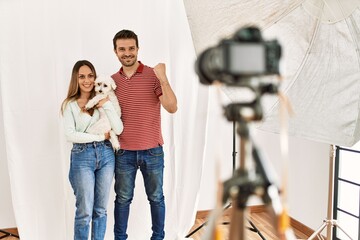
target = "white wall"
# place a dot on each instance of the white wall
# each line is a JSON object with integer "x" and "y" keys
{"x": 307, "y": 174}
{"x": 7, "y": 219}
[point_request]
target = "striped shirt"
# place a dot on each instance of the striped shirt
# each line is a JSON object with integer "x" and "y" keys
{"x": 140, "y": 108}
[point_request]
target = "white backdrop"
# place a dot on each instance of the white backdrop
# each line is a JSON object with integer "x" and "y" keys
{"x": 7, "y": 218}
{"x": 40, "y": 41}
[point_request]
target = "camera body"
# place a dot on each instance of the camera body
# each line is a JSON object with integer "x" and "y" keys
{"x": 233, "y": 60}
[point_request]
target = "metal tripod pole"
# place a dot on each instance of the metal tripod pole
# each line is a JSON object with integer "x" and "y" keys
{"x": 329, "y": 223}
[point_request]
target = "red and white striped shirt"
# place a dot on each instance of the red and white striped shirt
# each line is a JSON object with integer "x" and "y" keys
{"x": 140, "y": 108}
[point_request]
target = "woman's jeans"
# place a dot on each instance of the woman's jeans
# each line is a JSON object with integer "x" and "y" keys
{"x": 91, "y": 173}
{"x": 151, "y": 164}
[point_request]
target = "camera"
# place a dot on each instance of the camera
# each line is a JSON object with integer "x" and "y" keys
{"x": 238, "y": 58}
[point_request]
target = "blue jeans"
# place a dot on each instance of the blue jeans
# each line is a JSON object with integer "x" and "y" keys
{"x": 91, "y": 173}
{"x": 151, "y": 164}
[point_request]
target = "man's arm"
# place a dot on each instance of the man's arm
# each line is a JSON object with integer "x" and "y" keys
{"x": 167, "y": 99}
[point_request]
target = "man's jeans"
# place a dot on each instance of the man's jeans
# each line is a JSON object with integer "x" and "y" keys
{"x": 151, "y": 164}
{"x": 91, "y": 173}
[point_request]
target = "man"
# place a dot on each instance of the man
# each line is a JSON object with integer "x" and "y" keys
{"x": 140, "y": 91}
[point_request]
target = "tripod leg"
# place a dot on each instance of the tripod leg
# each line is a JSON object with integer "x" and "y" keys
{"x": 321, "y": 237}
{"x": 255, "y": 229}
{"x": 237, "y": 226}
{"x": 336, "y": 225}
{"x": 8, "y": 234}
{"x": 318, "y": 231}
{"x": 195, "y": 230}
{"x": 203, "y": 224}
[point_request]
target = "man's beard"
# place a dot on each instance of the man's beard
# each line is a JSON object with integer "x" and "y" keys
{"x": 126, "y": 63}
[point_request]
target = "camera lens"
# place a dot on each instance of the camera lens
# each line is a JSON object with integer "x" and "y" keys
{"x": 209, "y": 65}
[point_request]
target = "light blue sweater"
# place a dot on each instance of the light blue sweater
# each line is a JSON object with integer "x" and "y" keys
{"x": 76, "y": 122}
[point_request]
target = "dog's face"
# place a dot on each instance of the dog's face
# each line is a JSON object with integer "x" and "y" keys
{"x": 104, "y": 84}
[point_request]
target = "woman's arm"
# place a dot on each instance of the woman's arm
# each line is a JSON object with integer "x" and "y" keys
{"x": 70, "y": 131}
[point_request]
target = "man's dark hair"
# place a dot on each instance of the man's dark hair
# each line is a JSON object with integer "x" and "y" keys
{"x": 125, "y": 34}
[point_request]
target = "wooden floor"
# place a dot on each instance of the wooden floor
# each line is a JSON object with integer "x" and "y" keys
{"x": 260, "y": 219}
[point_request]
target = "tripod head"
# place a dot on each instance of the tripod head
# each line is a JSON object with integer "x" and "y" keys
{"x": 243, "y": 113}
{"x": 245, "y": 183}
{"x": 241, "y": 186}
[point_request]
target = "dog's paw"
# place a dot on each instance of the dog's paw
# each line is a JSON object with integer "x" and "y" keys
{"x": 116, "y": 146}
{"x": 89, "y": 105}
{"x": 114, "y": 141}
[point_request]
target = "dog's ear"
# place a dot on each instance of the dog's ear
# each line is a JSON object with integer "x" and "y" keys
{"x": 113, "y": 85}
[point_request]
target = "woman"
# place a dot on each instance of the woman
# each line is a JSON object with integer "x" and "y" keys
{"x": 92, "y": 156}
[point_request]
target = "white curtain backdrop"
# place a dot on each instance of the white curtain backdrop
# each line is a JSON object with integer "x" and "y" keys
{"x": 7, "y": 218}
{"x": 39, "y": 43}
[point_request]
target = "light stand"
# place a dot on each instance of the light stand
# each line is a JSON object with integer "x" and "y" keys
{"x": 329, "y": 223}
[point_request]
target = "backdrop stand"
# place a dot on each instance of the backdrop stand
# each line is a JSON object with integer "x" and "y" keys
{"x": 7, "y": 234}
{"x": 329, "y": 223}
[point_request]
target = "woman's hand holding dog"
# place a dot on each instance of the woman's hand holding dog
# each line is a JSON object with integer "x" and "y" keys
{"x": 102, "y": 101}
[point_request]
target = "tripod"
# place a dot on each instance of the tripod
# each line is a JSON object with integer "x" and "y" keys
{"x": 329, "y": 223}
{"x": 251, "y": 178}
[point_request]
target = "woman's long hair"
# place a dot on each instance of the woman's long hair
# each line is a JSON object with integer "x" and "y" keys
{"x": 74, "y": 89}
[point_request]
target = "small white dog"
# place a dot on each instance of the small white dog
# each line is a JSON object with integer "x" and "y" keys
{"x": 104, "y": 87}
